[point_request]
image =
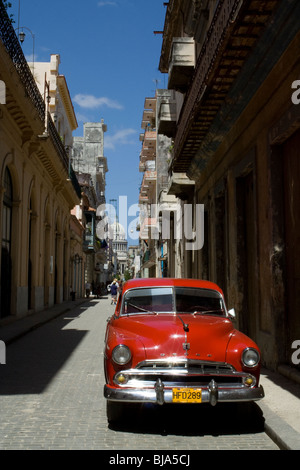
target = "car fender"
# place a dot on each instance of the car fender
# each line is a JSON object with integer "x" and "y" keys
{"x": 237, "y": 343}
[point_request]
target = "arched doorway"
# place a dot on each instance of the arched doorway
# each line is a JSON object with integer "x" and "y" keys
{"x": 6, "y": 263}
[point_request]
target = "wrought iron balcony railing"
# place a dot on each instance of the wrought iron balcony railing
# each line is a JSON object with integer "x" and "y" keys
{"x": 224, "y": 18}
{"x": 12, "y": 45}
{"x": 13, "y": 48}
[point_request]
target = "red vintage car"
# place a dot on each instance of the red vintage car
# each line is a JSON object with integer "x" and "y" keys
{"x": 173, "y": 341}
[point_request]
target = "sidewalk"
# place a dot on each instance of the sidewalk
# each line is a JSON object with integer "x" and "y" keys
{"x": 280, "y": 407}
{"x": 15, "y": 329}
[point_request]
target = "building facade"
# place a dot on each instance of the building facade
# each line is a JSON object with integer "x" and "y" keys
{"x": 147, "y": 195}
{"x": 119, "y": 249}
{"x": 134, "y": 261}
{"x": 88, "y": 156}
{"x": 160, "y": 198}
{"x": 37, "y": 191}
{"x": 54, "y": 90}
{"x": 233, "y": 68}
{"x": 90, "y": 166}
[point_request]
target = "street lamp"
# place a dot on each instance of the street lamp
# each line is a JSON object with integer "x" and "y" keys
{"x": 22, "y": 36}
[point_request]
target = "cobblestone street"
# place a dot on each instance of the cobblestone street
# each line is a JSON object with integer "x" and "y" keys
{"x": 51, "y": 397}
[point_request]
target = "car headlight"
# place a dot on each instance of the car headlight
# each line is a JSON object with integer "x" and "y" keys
{"x": 121, "y": 354}
{"x": 250, "y": 357}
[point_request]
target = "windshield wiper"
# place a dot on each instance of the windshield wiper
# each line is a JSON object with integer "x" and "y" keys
{"x": 200, "y": 312}
{"x": 141, "y": 309}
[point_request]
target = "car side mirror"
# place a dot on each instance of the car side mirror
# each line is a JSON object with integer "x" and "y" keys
{"x": 231, "y": 313}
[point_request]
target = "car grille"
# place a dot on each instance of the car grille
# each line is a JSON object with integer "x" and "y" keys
{"x": 183, "y": 372}
{"x": 189, "y": 366}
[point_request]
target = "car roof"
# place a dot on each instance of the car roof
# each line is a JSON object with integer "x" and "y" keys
{"x": 167, "y": 282}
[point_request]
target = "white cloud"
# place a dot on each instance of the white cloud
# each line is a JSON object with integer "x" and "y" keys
{"x": 91, "y": 102}
{"x": 119, "y": 138}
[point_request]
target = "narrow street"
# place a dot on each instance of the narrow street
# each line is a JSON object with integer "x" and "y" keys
{"x": 51, "y": 397}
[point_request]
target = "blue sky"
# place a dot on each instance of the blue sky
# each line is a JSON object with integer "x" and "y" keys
{"x": 109, "y": 56}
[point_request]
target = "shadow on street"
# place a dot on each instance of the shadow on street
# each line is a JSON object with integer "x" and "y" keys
{"x": 34, "y": 359}
{"x": 192, "y": 420}
{"x": 283, "y": 382}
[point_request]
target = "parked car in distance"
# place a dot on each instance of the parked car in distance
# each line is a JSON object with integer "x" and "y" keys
{"x": 173, "y": 341}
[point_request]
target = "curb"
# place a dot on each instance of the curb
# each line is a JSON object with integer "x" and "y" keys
{"x": 275, "y": 427}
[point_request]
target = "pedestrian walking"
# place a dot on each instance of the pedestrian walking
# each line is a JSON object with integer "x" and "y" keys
{"x": 114, "y": 291}
{"x": 72, "y": 293}
{"x": 87, "y": 289}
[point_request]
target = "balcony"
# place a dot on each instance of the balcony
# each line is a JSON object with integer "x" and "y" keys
{"x": 143, "y": 198}
{"x": 148, "y": 118}
{"x": 221, "y": 65}
{"x": 150, "y": 176}
{"x": 89, "y": 242}
{"x": 13, "y": 48}
{"x": 181, "y": 186}
{"x": 75, "y": 182}
{"x": 31, "y": 91}
{"x": 149, "y": 259}
{"x": 149, "y": 228}
{"x": 167, "y": 117}
{"x": 147, "y": 153}
{"x": 142, "y": 166}
{"x": 150, "y": 139}
{"x": 182, "y": 64}
{"x": 150, "y": 103}
{"x": 147, "y": 165}
{"x": 144, "y": 187}
{"x": 144, "y": 190}
{"x": 149, "y": 145}
{"x": 150, "y": 165}
{"x": 101, "y": 166}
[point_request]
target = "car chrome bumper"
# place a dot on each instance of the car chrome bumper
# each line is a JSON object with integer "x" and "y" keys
{"x": 159, "y": 394}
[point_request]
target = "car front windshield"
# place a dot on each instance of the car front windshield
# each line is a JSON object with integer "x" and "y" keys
{"x": 157, "y": 300}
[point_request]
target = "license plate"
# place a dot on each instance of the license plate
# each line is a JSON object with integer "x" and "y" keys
{"x": 187, "y": 395}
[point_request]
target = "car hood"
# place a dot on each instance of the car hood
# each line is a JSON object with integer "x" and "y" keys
{"x": 205, "y": 338}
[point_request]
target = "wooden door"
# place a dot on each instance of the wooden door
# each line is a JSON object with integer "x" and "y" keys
{"x": 291, "y": 181}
